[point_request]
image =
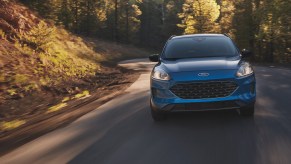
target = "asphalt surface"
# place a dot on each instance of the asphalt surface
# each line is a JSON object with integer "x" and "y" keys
{"x": 123, "y": 132}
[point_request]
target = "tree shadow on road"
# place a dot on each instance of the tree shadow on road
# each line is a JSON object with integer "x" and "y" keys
{"x": 200, "y": 137}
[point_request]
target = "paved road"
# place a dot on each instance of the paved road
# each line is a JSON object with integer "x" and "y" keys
{"x": 122, "y": 131}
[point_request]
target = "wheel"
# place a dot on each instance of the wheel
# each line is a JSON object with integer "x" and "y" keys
{"x": 158, "y": 116}
{"x": 247, "y": 111}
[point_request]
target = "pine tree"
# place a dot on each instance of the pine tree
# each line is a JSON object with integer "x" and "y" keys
{"x": 199, "y": 16}
{"x": 65, "y": 14}
{"x": 225, "y": 20}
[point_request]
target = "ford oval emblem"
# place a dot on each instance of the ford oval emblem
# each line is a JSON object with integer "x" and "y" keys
{"x": 203, "y": 74}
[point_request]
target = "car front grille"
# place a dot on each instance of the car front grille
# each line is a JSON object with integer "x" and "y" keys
{"x": 200, "y": 90}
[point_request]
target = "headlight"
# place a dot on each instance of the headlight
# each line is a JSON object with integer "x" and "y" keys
{"x": 245, "y": 69}
{"x": 160, "y": 74}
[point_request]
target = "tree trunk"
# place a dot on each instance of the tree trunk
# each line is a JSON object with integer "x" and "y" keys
{"x": 127, "y": 22}
{"x": 116, "y": 22}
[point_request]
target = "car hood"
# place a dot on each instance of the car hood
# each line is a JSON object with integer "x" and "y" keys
{"x": 195, "y": 64}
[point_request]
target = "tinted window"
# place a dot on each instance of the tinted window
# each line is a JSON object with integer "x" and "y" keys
{"x": 194, "y": 47}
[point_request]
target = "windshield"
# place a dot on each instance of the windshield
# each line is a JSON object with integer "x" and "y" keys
{"x": 197, "y": 47}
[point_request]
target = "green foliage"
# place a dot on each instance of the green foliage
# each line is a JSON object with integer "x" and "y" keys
{"x": 65, "y": 14}
{"x": 39, "y": 38}
{"x": 93, "y": 17}
{"x": 57, "y": 107}
{"x": 199, "y": 16}
{"x": 82, "y": 95}
{"x": 9, "y": 125}
{"x": 2, "y": 78}
{"x": 274, "y": 30}
{"x": 12, "y": 92}
{"x": 23, "y": 48}
{"x": 227, "y": 10}
{"x": 48, "y": 57}
{"x": 260, "y": 25}
{"x": 55, "y": 52}
{"x": 65, "y": 99}
{"x": 263, "y": 26}
{"x": 152, "y": 26}
{"x": 41, "y": 56}
{"x": 44, "y": 7}
{"x": 2, "y": 35}
{"x": 30, "y": 87}
{"x": 20, "y": 79}
{"x": 45, "y": 81}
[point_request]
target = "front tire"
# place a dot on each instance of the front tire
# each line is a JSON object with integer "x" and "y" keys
{"x": 247, "y": 111}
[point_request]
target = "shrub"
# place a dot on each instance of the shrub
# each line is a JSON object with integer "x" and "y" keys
{"x": 2, "y": 35}
{"x": 39, "y": 37}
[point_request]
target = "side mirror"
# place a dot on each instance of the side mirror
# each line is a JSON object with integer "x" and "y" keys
{"x": 246, "y": 53}
{"x": 154, "y": 57}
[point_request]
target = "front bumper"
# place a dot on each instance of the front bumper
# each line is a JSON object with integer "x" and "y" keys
{"x": 162, "y": 99}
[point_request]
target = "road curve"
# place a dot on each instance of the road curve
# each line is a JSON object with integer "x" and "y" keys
{"x": 122, "y": 131}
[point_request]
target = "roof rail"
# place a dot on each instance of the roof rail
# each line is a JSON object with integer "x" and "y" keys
{"x": 172, "y": 37}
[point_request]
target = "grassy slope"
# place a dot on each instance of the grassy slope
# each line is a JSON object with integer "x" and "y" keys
{"x": 35, "y": 55}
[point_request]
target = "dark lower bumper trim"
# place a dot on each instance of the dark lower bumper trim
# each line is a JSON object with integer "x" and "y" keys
{"x": 207, "y": 106}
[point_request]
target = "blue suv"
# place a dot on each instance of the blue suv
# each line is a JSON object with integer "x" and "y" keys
{"x": 201, "y": 72}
